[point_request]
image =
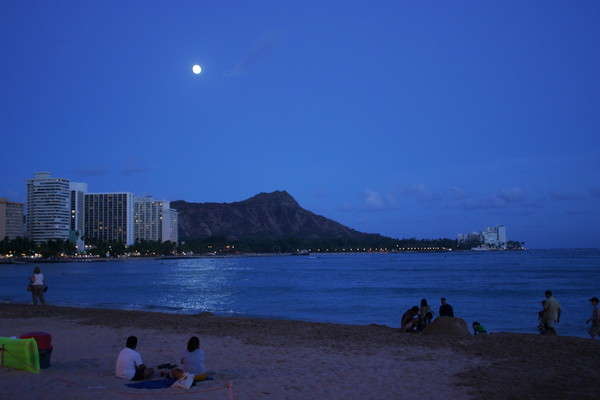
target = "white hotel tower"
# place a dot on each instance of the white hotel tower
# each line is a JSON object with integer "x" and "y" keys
{"x": 155, "y": 220}
{"x": 48, "y": 207}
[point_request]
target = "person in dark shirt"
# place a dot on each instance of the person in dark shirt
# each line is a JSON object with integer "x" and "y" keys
{"x": 446, "y": 309}
{"x": 409, "y": 320}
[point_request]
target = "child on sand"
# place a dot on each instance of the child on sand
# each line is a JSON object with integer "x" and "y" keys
{"x": 478, "y": 329}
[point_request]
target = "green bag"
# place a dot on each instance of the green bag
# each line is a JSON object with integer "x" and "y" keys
{"x": 19, "y": 354}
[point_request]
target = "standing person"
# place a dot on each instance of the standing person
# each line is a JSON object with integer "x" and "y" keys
{"x": 129, "y": 363}
{"x": 551, "y": 314}
{"x": 425, "y": 314}
{"x": 595, "y": 320}
{"x": 446, "y": 309}
{"x": 36, "y": 282}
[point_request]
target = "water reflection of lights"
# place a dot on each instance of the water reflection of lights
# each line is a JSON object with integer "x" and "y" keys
{"x": 199, "y": 284}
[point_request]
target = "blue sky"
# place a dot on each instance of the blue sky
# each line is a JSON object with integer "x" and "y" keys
{"x": 411, "y": 119}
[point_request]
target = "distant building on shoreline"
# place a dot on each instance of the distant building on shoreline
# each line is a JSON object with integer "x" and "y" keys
{"x": 48, "y": 207}
{"x": 57, "y": 208}
{"x": 77, "y": 204}
{"x": 11, "y": 219}
{"x": 155, "y": 220}
{"x": 490, "y": 238}
{"x": 109, "y": 217}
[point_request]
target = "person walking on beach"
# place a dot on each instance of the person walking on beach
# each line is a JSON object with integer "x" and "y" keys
{"x": 129, "y": 363}
{"x": 446, "y": 309}
{"x": 595, "y": 320}
{"x": 36, "y": 284}
{"x": 551, "y": 314}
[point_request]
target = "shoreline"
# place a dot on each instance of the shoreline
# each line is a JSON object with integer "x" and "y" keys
{"x": 28, "y": 261}
{"x": 502, "y": 366}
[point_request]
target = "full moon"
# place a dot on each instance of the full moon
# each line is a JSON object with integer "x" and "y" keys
{"x": 196, "y": 69}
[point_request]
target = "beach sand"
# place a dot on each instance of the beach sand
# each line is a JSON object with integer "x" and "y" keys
{"x": 280, "y": 359}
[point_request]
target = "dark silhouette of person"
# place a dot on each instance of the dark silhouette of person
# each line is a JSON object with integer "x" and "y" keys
{"x": 446, "y": 309}
{"x": 425, "y": 314}
{"x": 410, "y": 320}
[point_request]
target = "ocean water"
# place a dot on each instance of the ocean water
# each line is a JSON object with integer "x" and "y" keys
{"x": 502, "y": 290}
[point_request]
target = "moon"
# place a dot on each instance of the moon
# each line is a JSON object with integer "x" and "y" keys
{"x": 196, "y": 69}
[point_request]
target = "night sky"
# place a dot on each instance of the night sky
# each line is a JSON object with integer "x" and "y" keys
{"x": 410, "y": 119}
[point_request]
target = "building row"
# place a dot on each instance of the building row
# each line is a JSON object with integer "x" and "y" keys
{"x": 58, "y": 208}
{"x": 494, "y": 236}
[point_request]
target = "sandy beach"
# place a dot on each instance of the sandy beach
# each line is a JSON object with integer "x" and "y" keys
{"x": 280, "y": 359}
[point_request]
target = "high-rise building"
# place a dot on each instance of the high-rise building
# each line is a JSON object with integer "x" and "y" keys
{"x": 495, "y": 236}
{"x": 502, "y": 235}
{"x": 11, "y": 219}
{"x": 154, "y": 220}
{"x": 48, "y": 207}
{"x": 109, "y": 217}
{"x": 77, "y": 199}
{"x": 170, "y": 225}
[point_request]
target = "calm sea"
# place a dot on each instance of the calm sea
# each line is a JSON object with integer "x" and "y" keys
{"x": 502, "y": 290}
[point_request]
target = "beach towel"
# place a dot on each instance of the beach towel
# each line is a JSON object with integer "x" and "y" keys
{"x": 20, "y": 354}
{"x": 155, "y": 384}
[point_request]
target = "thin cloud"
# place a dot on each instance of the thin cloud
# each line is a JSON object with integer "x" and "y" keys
{"x": 261, "y": 49}
{"x": 419, "y": 192}
{"x": 516, "y": 198}
{"x": 134, "y": 171}
{"x": 512, "y": 195}
{"x": 373, "y": 199}
{"x": 456, "y": 193}
{"x": 565, "y": 196}
{"x": 91, "y": 172}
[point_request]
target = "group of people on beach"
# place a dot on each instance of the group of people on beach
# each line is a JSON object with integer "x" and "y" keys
{"x": 550, "y": 314}
{"x": 418, "y": 318}
{"x": 130, "y": 365}
{"x": 415, "y": 319}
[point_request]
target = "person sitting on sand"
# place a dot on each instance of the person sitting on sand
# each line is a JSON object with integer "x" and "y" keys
{"x": 410, "y": 320}
{"x": 425, "y": 314}
{"x": 129, "y": 363}
{"x": 551, "y": 313}
{"x": 478, "y": 329}
{"x": 446, "y": 309}
{"x": 192, "y": 360}
{"x": 595, "y": 320}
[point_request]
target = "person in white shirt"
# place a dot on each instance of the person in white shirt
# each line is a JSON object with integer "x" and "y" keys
{"x": 130, "y": 365}
{"x": 36, "y": 285}
{"x": 192, "y": 360}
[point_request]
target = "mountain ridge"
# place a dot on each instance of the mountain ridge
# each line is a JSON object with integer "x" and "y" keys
{"x": 273, "y": 215}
